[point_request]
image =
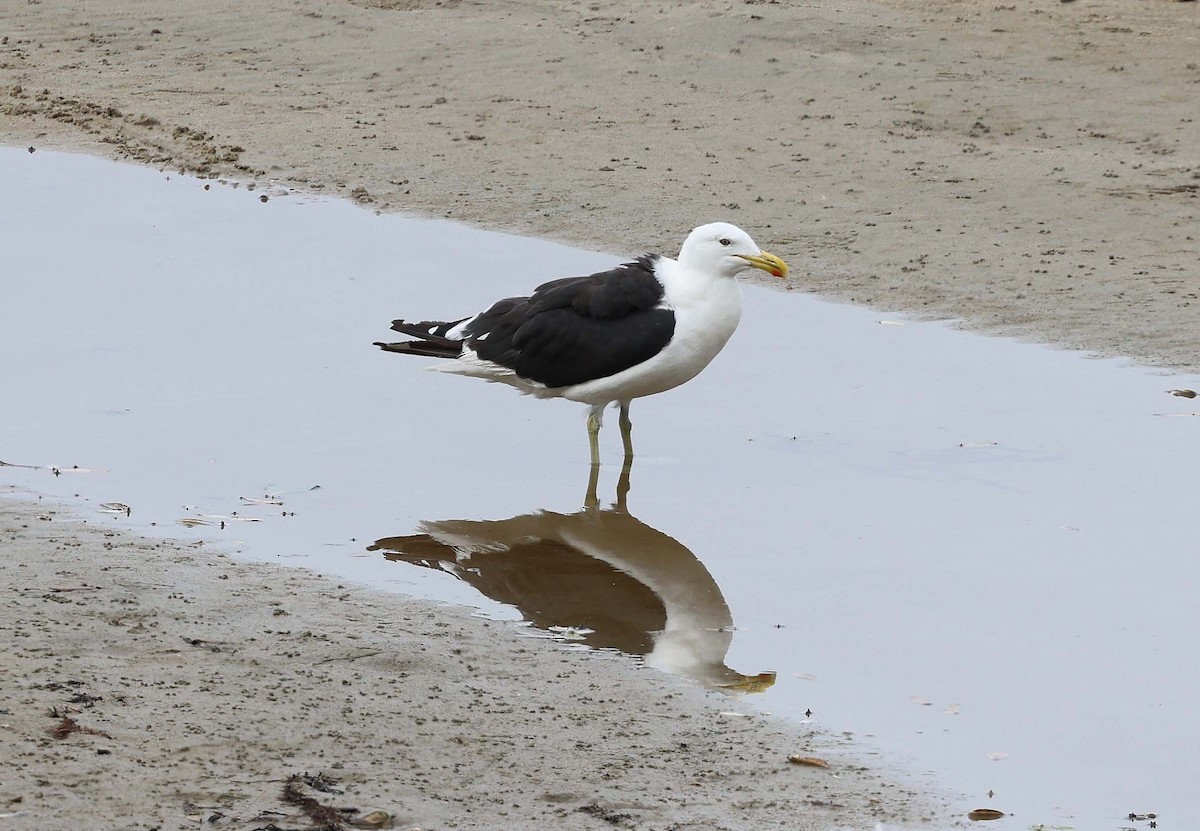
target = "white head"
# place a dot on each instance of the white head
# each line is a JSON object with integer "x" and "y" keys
{"x": 727, "y": 250}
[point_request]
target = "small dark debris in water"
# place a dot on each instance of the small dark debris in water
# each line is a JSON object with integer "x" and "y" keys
{"x": 808, "y": 713}
{"x": 262, "y": 198}
{"x": 981, "y": 814}
{"x": 266, "y": 500}
{"x": 207, "y": 186}
{"x": 1183, "y": 393}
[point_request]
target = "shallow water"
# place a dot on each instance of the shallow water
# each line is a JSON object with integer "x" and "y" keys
{"x": 978, "y": 556}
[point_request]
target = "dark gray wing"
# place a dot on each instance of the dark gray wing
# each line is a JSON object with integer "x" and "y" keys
{"x": 579, "y": 328}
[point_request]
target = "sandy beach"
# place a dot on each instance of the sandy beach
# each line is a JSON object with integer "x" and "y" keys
{"x": 1030, "y": 169}
{"x": 152, "y": 685}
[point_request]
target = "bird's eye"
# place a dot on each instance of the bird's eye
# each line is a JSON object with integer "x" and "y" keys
{"x": 725, "y": 241}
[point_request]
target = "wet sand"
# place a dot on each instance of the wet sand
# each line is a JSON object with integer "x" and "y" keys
{"x": 197, "y": 685}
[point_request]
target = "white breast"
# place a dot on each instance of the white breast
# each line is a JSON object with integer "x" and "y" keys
{"x": 706, "y": 314}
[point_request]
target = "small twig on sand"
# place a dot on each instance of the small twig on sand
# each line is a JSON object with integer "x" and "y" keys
{"x": 351, "y": 657}
{"x": 69, "y": 725}
{"x": 325, "y": 817}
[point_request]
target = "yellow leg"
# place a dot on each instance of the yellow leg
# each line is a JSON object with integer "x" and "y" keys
{"x": 593, "y": 426}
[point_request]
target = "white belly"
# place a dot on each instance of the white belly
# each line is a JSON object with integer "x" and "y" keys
{"x": 702, "y": 328}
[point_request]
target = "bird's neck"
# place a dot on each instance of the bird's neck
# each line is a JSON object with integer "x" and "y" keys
{"x": 686, "y": 287}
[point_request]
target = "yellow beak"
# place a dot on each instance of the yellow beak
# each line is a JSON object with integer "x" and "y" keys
{"x": 768, "y": 263}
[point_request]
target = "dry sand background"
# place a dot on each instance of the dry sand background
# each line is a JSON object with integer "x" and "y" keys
{"x": 1031, "y": 168}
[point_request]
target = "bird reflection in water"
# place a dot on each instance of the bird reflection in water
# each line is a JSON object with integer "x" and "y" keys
{"x": 602, "y": 575}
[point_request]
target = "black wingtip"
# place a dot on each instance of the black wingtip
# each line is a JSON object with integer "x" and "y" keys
{"x": 427, "y": 349}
